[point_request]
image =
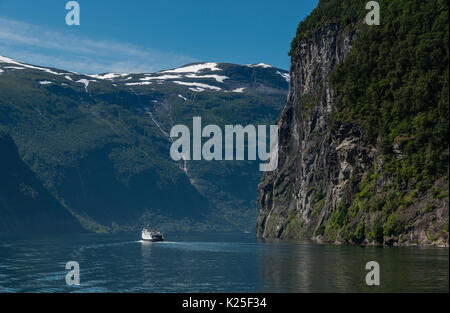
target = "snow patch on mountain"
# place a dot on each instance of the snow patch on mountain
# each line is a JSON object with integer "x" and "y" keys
{"x": 162, "y": 77}
{"x": 197, "y": 89}
{"x": 239, "y": 90}
{"x": 195, "y": 68}
{"x": 11, "y": 61}
{"x": 285, "y": 76}
{"x": 108, "y": 76}
{"x": 14, "y": 67}
{"x": 85, "y": 82}
{"x": 218, "y": 78}
{"x": 139, "y": 84}
{"x": 199, "y": 85}
{"x": 263, "y": 65}
{"x": 45, "y": 82}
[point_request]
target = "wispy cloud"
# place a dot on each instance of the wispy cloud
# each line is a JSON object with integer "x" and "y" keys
{"x": 38, "y": 45}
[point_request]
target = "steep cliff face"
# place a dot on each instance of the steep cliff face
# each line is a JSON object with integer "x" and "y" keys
{"x": 315, "y": 160}
{"x": 342, "y": 177}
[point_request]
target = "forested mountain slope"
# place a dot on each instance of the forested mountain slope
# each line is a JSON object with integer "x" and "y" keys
{"x": 99, "y": 143}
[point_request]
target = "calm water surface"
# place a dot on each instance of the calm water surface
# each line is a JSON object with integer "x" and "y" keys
{"x": 213, "y": 263}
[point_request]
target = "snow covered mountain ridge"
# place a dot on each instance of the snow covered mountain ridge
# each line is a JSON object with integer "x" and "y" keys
{"x": 195, "y": 77}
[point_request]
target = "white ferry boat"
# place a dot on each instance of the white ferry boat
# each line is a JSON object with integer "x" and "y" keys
{"x": 151, "y": 234}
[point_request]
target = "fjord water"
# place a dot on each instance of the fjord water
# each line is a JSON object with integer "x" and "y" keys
{"x": 213, "y": 262}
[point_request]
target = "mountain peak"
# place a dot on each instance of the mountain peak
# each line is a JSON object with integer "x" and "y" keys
{"x": 194, "y": 68}
{"x": 263, "y": 65}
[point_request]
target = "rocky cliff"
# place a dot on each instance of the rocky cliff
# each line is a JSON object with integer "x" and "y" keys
{"x": 315, "y": 161}
{"x": 333, "y": 181}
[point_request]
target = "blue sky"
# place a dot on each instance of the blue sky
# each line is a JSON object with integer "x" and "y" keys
{"x": 150, "y": 35}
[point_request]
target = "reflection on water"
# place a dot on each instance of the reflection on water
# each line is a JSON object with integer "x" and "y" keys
{"x": 213, "y": 263}
{"x": 308, "y": 267}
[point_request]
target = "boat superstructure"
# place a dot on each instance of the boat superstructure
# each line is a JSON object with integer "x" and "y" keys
{"x": 149, "y": 234}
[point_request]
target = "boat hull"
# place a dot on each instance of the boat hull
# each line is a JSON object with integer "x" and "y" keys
{"x": 153, "y": 239}
{"x": 152, "y": 236}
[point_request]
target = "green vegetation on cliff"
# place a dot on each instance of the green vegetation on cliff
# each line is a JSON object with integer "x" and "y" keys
{"x": 395, "y": 82}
